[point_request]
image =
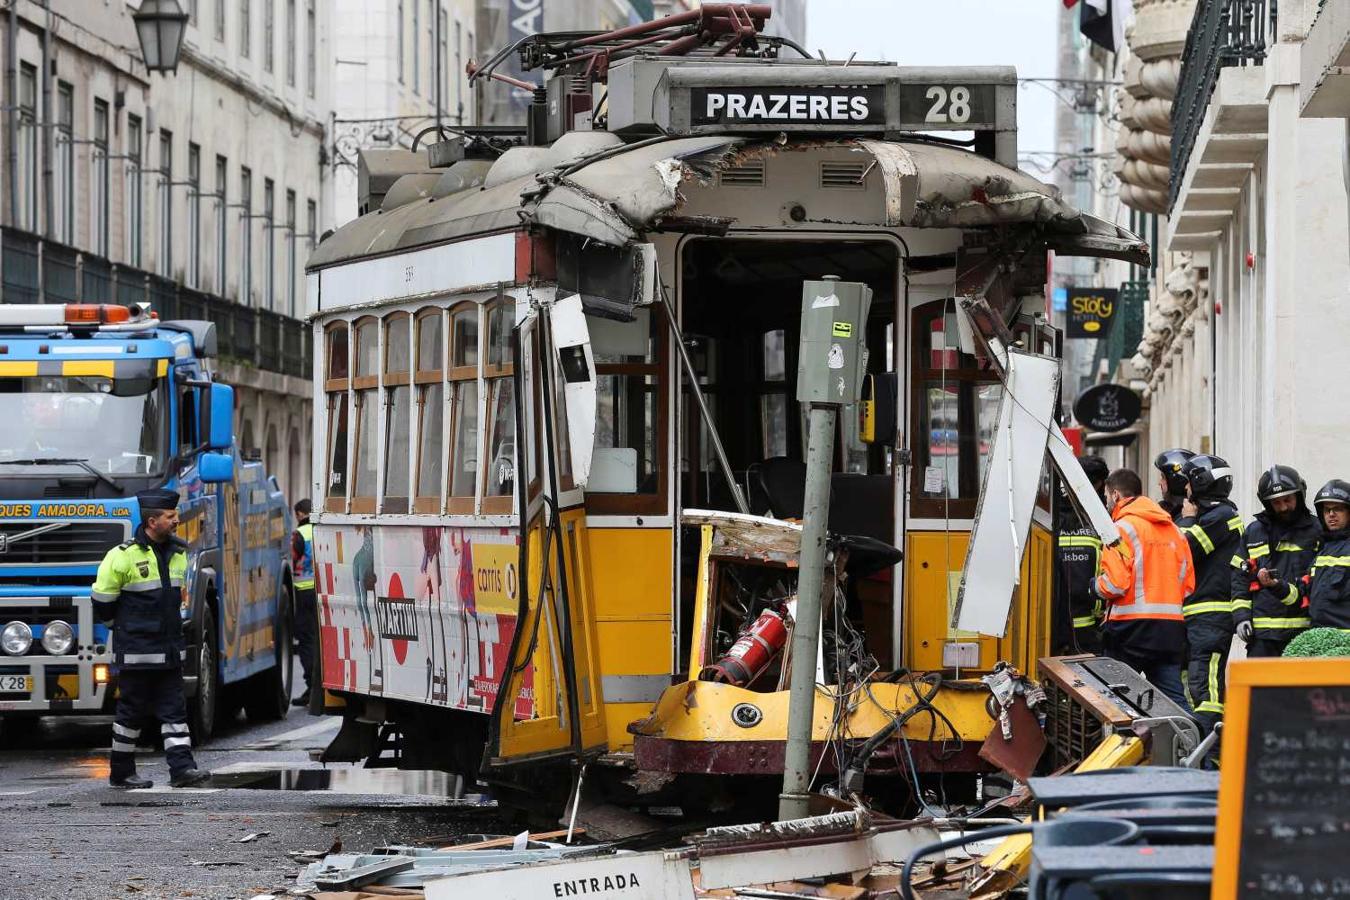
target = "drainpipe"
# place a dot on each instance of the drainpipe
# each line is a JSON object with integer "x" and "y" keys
{"x": 12, "y": 105}
{"x": 48, "y": 147}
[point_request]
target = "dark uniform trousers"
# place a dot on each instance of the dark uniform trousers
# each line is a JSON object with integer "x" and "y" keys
{"x": 306, "y": 624}
{"x": 149, "y": 695}
{"x": 1215, "y": 539}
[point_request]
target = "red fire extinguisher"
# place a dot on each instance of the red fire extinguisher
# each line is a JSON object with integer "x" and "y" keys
{"x": 752, "y": 652}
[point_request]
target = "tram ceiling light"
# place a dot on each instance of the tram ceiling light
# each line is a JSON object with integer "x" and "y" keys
{"x": 160, "y": 25}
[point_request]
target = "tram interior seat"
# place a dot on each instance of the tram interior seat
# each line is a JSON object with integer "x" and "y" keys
{"x": 777, "y": 487}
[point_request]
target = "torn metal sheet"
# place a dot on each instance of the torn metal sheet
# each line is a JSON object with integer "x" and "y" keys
{"x": 575, "y": 365}
{"x": 993, "y": 563}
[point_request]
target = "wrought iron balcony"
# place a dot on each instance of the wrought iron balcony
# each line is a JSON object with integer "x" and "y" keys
{"x": 1223, "y": 33}
{"x": 35, "y": 270}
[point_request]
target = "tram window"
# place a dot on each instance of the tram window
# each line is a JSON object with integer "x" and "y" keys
{"x": 499, "y": 334}
{"x": 626, "y": 472}
{"x": 773, "y": 424}
{"x": 463, "y": 374}
{"x": 499, "y": 475}
{"x": 397, "y": 412}
{"x": 429, "y": 380}
{"x": 561, "y": 435}
{"x": 365, "y": 384}
{"x": 336, "y": 384}
{"x": 774, "y": 408}
{"x": 956, "y": 401}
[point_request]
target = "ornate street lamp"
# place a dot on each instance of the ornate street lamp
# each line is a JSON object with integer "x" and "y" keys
{"x": 160, "y": 25}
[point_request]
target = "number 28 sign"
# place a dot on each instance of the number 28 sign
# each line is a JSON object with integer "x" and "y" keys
{"x": 1090, "y": 311}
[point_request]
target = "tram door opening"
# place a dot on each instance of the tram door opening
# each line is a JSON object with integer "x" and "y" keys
{"x": 740, "y": 319}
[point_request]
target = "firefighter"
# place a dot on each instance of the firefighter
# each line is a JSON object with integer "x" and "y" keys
{"x": 1077, "y": 559}
{"x": 1327, "y": 585}
{"x": 1171, "y": 483}
{"x": 1144, "y": 577}
{"x": 1214, "y": 531}
{"x": 139, "y": 588}
{"x": 1281, "y": 544}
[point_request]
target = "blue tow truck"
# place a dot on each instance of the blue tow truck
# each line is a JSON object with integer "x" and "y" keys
{"x": 98, "y": 402}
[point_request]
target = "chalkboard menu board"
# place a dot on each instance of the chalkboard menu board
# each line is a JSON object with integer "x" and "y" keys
{"x": 1284, "y": 802}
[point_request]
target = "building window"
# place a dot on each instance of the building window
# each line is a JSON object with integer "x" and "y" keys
{"x": 28, "y": 147}
{"x": 222, "y": 223}
{"x": 365, "y": 394}
{"x": 135, "y": 138}
{"x": 311, "y": 47}
{"x": 245, "y": 28}
{"x": 64, "y": 138}
{"x": 194, "y": 178}
{"x": 165, "y": 266}
{"x": 416, "y": 39}
{"x": 464, "y": 356}
{"x": 312, "y": 223}
{"x": 336, "y": 383}
{"x": 269, "y": 216}
{"x": 397, "y": 412}
{"x": 220, "y": 20}
{"x": 402, "y": 41}
{"x": 290, "y": 42}
{"x": 290, "y": 252}
{"x": 246, "y": 245}
{"x": 429, "y": 383}
{"x": 269, "y": 34}
{"x": 500, "y": 475}
{"x": 459, "y": 72}
{"x": 99, "y": 159}
{"x": 442, "y": 57}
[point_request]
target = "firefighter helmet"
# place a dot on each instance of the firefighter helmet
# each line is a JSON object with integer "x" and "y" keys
{"x": 1334, "y": 491}
{"x": 1209, "y": 476}
{"x": 1169, "y": 463}
{"x": 1280, "y": 481}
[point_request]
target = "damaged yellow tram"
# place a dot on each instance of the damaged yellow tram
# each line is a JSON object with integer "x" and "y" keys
{"x": 558, "y": 453}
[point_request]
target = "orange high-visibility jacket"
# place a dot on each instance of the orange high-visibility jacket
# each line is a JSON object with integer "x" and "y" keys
{"x": 1149, "y": 572}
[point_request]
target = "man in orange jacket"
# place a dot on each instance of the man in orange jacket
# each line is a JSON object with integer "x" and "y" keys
{"x": 1143, "y": 580}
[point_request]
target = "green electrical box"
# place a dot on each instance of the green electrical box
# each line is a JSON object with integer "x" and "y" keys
{"x": 832, "y": 358}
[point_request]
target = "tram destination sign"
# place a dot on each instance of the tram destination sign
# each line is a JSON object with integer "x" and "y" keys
{"x": 863, "y": 104}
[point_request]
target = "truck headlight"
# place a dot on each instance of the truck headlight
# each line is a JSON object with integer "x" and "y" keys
{"x": 58, "y": 638}
{"x": 16, "y": 638}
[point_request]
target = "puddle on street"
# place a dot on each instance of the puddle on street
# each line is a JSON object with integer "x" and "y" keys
{"x": 342, "y": 781}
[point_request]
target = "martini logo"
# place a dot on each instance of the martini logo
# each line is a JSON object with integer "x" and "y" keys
{"x": 788, "y": 106}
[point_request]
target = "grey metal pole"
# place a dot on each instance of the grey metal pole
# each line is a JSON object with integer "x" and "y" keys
{"x": 793, "y": 801}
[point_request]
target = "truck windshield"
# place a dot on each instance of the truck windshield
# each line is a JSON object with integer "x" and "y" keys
{"x": 118, "y": 426}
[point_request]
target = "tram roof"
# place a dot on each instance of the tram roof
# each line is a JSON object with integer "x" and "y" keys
{"x": 616, "y": 194}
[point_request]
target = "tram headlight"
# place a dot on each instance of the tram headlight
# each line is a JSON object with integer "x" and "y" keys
{"x": 16, "y": 638}
{"x": 58, "y": 638}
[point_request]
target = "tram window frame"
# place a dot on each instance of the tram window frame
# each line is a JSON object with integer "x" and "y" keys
{"x": 655, "y": 380}
{"x": 967, "y": 377}
{"x": 365, "y": 390}
{"x": 392, "y": 380}
{"x": 457, "y": 375}
{"x": 337, "y": 388}
{"x": 496, "y": 377}
{"x": 429, "y": 380}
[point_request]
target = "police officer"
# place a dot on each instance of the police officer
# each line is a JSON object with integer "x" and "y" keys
{"x": 1214, "y": 531}
{"x": 1171, "y": 483}
{"x": 302, "y": 578}
{"x": 139, "y": 588}
{"x": 1282, "y": 543}
{"x": 1077, "y": 558}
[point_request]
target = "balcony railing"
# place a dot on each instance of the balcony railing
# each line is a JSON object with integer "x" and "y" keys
{"x": 1223, "y": 33}
{"x": 34, "y": 270}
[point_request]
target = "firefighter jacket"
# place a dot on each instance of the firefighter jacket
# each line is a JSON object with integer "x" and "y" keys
{"x": 139, "y": 587}
{"x": 1078, "y": 556}
{"x": 302, "y": 557}
{"x": 1327, "y": 586}
{"x": 1288, "y": 550}
{"x": 1144, "y": 579}
{"x": 1215, "y": 537}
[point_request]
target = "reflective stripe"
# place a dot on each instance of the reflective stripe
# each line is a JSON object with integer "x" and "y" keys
{"x": 1241, "y": 603}
{"x": 1287, "y": 547}
{"x": 1140, "y": 608}
{"x": 1260, "y": 622}
{"x": 124, "y": 731}
{"x": 177, "y": 742}
{"x": 132, "y": 659}
{"x": 1213, "y": 698}
{"x": 1137, "y": 560}
{"x": 1258, "y": 550}
{"x": 176, "y": 728}
{"x": 1077, "y": 540}
{"x": 1201, "y": 538}
{"x": 100, "y": 597}
{"x": 1209, "y": 606}
{"x": 1291, "y": 597}
{"x": 123, "y": 746}
{"x": 1106, "y": 586}
{"x": 1332, "y": 561}
{"x": 1181, "y": 571}
{"x": 143, "y": 586}
{"x": 1209, "y": 707}
{"x": 1235, "y": 523}
{"x": 1084, "y": 622}
{"x": 1238, "y": 562}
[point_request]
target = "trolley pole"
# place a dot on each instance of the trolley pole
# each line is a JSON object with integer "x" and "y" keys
{"x": 832, "y": 361}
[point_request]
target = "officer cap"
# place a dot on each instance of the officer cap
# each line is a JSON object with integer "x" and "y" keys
{"x": 157, "y": 499}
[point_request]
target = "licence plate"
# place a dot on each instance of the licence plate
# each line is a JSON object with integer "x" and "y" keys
{"x": 16, "y": 684}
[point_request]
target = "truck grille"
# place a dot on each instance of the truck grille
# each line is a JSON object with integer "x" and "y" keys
{"x": 73, "y": 543}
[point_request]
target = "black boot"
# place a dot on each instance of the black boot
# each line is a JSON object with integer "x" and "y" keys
{"x": 131, "y": 782}
{"x": 302, "y": 700}
{"x": 189, "y": 778}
